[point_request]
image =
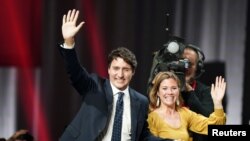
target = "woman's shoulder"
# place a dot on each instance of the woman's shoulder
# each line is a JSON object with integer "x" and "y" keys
{"x": 153, "y": 118}
{"x": 152, "y": 113}
{"x": 185, "y": 110}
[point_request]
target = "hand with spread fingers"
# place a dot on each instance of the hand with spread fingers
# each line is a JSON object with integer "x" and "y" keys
{"x": 218, "y": 91}
{"x": 69, "y": 27}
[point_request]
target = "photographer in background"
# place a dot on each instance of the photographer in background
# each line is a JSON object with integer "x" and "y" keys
{"x": 168, "y": 58}
{"x": 197, "y": 94}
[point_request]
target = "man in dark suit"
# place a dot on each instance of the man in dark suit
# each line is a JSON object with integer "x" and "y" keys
{"x": 95, "y": 119}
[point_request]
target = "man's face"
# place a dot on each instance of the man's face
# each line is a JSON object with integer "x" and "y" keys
{"x": 120, "y": 73}
{"x": 191, "y": 55}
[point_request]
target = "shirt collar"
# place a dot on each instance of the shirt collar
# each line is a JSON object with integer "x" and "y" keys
{"x": 115, "y": 90}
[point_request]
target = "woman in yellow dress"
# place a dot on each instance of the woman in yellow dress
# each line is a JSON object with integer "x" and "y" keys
{"x": 169, "y": 119}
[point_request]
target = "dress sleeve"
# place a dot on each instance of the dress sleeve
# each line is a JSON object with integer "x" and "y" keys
{"x": 199, "y": 123}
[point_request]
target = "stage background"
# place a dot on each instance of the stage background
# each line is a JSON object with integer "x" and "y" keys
{"x": 35, "y": 93}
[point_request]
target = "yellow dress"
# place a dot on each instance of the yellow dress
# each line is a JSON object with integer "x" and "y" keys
{"x": 189, "y": 120}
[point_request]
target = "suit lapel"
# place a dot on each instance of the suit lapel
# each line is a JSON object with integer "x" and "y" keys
{"x": 135, "y": 106}
{"x": 109, "y": 95}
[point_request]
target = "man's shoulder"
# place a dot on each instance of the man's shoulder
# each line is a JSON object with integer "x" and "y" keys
{"x": 138, "y": 94}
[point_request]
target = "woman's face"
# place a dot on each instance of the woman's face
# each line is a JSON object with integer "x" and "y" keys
{"x": 168, "y": 92}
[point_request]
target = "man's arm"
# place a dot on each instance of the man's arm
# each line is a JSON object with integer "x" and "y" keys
{"x": 79, "y": 77}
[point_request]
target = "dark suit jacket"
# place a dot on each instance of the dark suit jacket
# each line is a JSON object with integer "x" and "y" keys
{"x": 90, "y": 123}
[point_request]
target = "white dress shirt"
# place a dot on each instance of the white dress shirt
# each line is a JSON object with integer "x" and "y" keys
{"x": 126, "y": 118}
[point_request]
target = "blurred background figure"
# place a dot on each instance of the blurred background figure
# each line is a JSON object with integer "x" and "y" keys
{"x": 20, "y": 135}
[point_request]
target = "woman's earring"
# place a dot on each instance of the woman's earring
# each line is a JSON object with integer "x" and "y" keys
{"x": 178, "y": 102}
{"x": 158, "y": 101}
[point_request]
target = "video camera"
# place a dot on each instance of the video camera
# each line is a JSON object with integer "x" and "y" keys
{"x": 169, "y": 58}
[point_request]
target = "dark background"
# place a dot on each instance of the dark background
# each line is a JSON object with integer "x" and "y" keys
{"x": 31, "y": 30}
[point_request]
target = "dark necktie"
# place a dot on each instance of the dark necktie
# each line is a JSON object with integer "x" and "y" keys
{"x": 117, "y": 127}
